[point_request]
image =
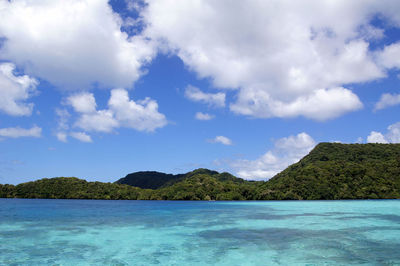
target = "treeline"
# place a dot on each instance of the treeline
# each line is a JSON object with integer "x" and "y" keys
{"x": 70, "y": 188}
{"x": 330, "y": 171}
{"x": 195, "y": 187}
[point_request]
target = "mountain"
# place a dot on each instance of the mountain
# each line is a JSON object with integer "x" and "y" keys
{"x": 340, "y": 171}
{"x": 330, "y": 171}
{"x": 203, "y": 184}
{"x": 149, "y": 179}
{"x": 156, "y": 180}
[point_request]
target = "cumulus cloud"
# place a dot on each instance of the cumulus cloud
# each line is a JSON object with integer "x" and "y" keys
{"x": 286, "y": 151}
{"x": 81, "y": 136}
{"x": 279, "y": 55}
{"x": 221, "y": 139}
{"x": 17, "y": 132}
{"x": 212, "y": 99}
{"x": 100, "y": 121}
{"x": 72, "y": 44}
{"x": 389, "y": 56}
{"x": 391, "y": 136}
{"x": 15, "y": 90}
{"x": 122, "y": 112}
{"x": 142, "y": 115}
{"x": 83, "y": 102}
{"x": 376, "y": 137}
{"x": 203, "y": 116}
{"x": 320, "y": 105}
{"x": 387, "y": 100}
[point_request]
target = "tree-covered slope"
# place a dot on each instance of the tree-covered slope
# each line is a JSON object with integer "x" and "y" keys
{"x": 201, "y": 185}
{"x": 156, "y": 180}
{"x": 70, "y": 188}
{"x": 339, "y": 171}
{"x": 148, "y": 179}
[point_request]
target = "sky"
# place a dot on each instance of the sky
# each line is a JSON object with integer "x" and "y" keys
{"x": 98, "y": 89}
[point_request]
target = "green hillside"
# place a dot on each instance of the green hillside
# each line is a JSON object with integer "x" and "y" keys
{"x": 340, "y": 171}
{"x": 70, "y": 188}
{"x": 329, "y": 171}
{"x": 203, "y": 185}
{"x": 149, "y": 179}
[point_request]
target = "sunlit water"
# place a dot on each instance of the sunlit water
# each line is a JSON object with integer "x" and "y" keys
{"x": 89, "y": 232}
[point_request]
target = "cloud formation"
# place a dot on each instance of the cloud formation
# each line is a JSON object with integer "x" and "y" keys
{"x": 212, "y": 99}
{"x": 81, "y": 136}
{"x": 387, "y": 100}
{"x": 204, "y": 116}
{"x": 389, "y": 56}
{"x": 72, "y": 44}
{"x": 286, "y": 151}
{"x": 17, "y": 132}
{"x": 82, "y": 102}
{"x": 280, "y": 57}
{"x": 122, "y": 112}
{"x": 15, "y": 90}
{"x": 222, "y": 140}
{"x": 391, "y": 136}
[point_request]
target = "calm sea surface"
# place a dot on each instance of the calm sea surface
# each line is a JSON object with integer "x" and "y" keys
{"x": 89, "y": 232}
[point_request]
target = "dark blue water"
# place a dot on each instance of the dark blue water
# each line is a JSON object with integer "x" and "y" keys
{"x": 85, "y": 232}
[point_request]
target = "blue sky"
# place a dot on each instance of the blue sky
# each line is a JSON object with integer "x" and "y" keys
{"x": 99, "y": 89}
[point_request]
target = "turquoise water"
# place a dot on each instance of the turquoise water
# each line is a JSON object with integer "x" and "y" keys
{"x": 88, "y": 232}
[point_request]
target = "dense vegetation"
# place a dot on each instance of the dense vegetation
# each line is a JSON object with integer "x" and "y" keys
{"x": 201, "y": 184}
{"x": 149, "y": 179}
{"x": 340, "y": 171}
{"x": 330, "y": 171}
{"x": 70, "y": 188}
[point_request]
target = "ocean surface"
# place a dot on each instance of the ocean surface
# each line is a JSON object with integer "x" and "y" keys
{"x": 95, "y": 232}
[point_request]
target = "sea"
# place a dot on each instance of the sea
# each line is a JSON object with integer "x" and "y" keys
{"x": 97, "y": 232}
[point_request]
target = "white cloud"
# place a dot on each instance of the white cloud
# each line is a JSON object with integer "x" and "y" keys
{"x": 83, "y": 102}
{"x": 62, "y": 136}
{"x": 221, "y": 139}
{"x": 204, "y": 116}
{"x": 81, "y": 136}
{"x": 376, "y": 137}
{"x": 281, "y": 55}
{"x": 62, "y": 118}
{"x": 286, "y": 151}
{"x": 72, "y": 44}
{"x": 320, "y": 105}
{"x": 389, "y": 57}
{"x": 15, "y": 90}
{"x": 122, "y": 112}
{"x": 391, "y": 136}
{"x": 17, "y": 132}
{"x": 100, "y": 121}
{"x": 212, "y": 99}
{"x": 387, "y": 100}
{"x": 142, "y": 115}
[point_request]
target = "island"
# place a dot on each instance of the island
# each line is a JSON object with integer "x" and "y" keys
{"x": 331, "y": 171}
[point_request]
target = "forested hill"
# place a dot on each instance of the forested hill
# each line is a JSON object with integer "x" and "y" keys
{"x": 149, "y": 179}
{"x": 329, "y": 171}
{"x": 156, "y": 180}
{"x": 340, "y": 171}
